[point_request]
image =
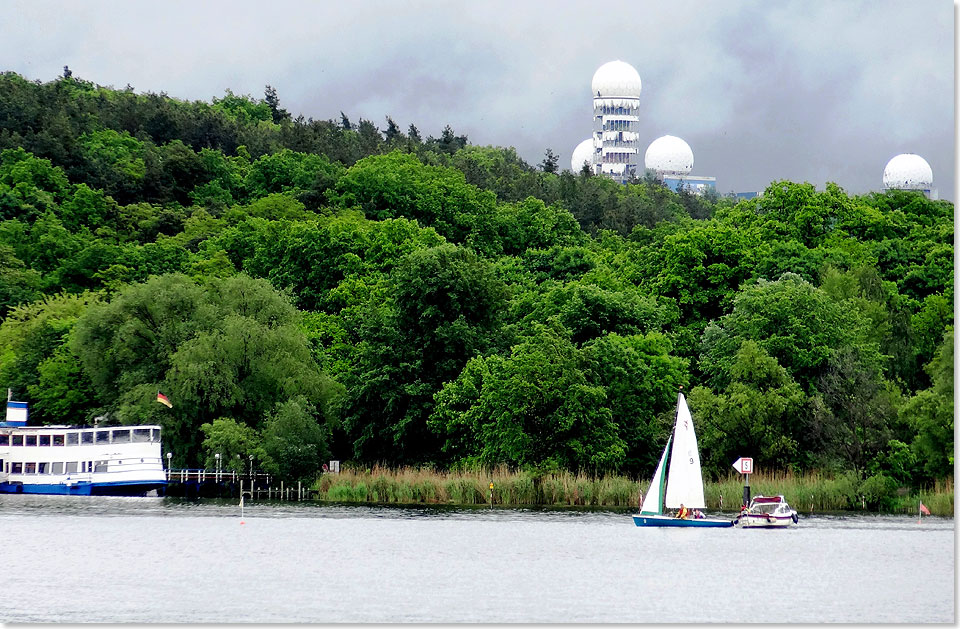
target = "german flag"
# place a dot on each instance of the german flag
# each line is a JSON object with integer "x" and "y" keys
{"x": 163, "y": 400}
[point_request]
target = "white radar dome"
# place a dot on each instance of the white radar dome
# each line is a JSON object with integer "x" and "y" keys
{"x": 908, "y": 172}
{"x": 616, "y": 78}
{"x": 583, "y": 154}
{"x": 669, "y": 154}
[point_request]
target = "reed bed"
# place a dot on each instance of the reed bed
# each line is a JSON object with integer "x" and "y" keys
{"x": 811, "y": 492}
{"x": 472, "y": 487}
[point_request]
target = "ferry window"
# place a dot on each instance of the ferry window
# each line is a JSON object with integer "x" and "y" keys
{"x": 43, "y": 468}
{"x": 16, "y": 468}
{"x": 73, "y": 438}
{"x": 4, "y": 440}
{"x": 44, "y": 440}
{"x": 141, "y": 435}
{"x": 58, "y": 440}
{"x": 71, "y": 467}
{"x": 17, "y": 440}
{"x": 29, "y": 468}
{"x": 155, "y": 434}
{"x": 30, "y": 440}
{"x": 103, "y": 436}
{"x": 86, "y": 436}
{"x": 101, "y": 466}
{"x": 121, "y": 436}
{"x": 56, "y": 468}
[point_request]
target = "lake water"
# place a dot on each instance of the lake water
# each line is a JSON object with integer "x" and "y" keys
{"x": 81, "y": 559}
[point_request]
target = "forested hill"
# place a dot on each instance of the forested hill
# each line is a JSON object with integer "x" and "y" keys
{"x": 303, "y": 290}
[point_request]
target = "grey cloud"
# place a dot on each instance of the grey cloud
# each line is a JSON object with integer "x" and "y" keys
{"x": 809, "y": 91}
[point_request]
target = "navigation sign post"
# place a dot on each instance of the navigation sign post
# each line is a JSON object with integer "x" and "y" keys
{"x": 745, "y": 466}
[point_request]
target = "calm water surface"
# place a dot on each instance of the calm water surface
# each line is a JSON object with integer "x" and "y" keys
{"x": 82, "y": 559}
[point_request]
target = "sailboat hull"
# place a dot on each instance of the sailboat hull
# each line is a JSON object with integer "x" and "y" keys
{"x": 666, "y": 520}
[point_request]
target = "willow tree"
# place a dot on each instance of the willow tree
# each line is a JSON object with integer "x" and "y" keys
{"x": 229, "y": 348}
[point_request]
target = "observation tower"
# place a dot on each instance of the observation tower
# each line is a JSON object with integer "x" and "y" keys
{"x": 616, "y": 104}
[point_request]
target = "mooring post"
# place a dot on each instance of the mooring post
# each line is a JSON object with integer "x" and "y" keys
{"x": 746, "y": 490}
{"x": 491, "y": 494}
{"x": 299, "y": 497}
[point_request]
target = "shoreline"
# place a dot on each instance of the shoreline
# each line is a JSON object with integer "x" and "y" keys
{"x": 808, "y": 493}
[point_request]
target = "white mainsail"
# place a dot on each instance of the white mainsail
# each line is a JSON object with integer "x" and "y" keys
{"x": 653, "y": 501}
{"x": 684, "y": 479}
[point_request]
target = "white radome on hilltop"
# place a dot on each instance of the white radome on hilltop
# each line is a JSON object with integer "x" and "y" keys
{"x": 669, "y": 154}
{"x": 908, "y": 171}
{"x": 583, "y": 154}
{"x": 616, "y": 78}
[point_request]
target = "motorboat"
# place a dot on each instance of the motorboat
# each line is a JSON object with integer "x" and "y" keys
{"x": 768, "y": 512}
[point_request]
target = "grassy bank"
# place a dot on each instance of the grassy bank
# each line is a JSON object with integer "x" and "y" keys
{"x": 808, "y": 493}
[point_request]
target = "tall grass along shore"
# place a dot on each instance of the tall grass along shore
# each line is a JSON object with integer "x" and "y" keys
{"x": 808, "y": 493}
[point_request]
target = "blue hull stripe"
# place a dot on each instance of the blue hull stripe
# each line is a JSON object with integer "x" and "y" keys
{"x": 82, "y": 489}
{"x": 642, "y": 520}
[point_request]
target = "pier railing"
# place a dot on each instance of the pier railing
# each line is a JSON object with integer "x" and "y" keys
{"x": 195, "y": 483}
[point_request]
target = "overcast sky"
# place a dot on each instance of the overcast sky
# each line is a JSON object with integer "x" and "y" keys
{"x": 809, "y": 90}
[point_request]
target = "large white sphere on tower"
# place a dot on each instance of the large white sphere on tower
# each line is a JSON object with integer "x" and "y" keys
{"x": 616, "y": 78}
{"x": 669, "y": 154}
{"x": 583, "y": 154}
{"x": 908, "y": 172}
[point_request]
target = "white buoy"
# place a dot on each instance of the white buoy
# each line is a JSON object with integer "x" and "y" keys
{"x": 241, "y": 502}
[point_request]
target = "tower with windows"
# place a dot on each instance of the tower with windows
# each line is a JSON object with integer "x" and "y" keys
{"x": 616, "y": 107}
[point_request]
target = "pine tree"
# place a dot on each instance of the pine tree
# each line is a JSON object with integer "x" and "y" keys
{"x": 270, "y": 98}
{"x": 392, "y": 131}
{"x": 550, "y": 161}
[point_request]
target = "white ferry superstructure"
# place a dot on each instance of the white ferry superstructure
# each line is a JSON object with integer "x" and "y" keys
{"x": 115, "y": 460}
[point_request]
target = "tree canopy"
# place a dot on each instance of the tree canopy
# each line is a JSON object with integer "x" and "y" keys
{"x": 303, "y": 289}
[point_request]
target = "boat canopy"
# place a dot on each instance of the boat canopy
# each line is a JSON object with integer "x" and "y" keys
{"x": 768, "y": 499}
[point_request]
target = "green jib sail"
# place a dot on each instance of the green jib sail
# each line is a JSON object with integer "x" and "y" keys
{"x": 653, "y": 502}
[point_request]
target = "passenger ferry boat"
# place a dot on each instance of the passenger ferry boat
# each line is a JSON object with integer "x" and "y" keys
{"x": 118, "y": 460}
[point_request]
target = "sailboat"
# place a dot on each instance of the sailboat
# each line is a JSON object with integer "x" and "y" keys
{"x": 681, "y": 483}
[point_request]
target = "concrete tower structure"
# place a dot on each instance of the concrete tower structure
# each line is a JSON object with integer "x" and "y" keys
{"x": 616, "y": 107}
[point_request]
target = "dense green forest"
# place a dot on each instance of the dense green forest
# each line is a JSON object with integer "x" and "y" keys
{"x": 304, "y": 290}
